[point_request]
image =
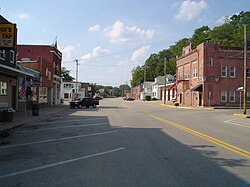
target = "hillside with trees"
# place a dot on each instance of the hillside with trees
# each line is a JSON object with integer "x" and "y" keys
{"x": 229, "y": 34}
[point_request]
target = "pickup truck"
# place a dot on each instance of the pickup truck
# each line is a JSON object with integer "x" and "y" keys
{"x": 84, "y": 101}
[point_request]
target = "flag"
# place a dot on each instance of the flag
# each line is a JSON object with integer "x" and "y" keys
{"x": 22, "y": 92}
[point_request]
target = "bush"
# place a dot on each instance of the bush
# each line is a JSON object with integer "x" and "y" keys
{"x": 148, "y": 98}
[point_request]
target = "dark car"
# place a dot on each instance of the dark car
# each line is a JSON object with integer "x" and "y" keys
{"x": 130, "y": 99}
{"x": 84, "y": 101}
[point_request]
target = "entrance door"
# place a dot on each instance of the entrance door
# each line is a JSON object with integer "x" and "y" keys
{"x": 200, "y": 98}
{"x": 13, "y": 101}
{"x": 180, "y": 99}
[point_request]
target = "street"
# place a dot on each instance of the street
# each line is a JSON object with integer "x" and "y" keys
{"x": 129, "y": 143}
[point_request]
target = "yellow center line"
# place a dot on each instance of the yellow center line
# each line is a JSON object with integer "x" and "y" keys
{"x": 216, "y": 141}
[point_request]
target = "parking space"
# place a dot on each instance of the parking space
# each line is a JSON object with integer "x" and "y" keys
{"x": 55, "y": 142}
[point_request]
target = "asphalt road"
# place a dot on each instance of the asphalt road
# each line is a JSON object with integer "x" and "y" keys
{"x": 129, "y": 143}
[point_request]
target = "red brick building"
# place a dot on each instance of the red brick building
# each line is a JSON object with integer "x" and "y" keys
{"x": 210, "y": 75}
{"x": 47, "y": 60}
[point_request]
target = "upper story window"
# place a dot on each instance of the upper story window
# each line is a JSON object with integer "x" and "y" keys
{"x": 211, "y": 61}
{"x": 195, "y": 74}
{"x": 248, "y": 72}
{"x": 232, "y": 72}
{"x": 180, "y": 75}
{"x": 2, "y": 54}
{"x": 223, "y": 71}
{"x": 12, "y": 56}
{"x": 187, "y": 75}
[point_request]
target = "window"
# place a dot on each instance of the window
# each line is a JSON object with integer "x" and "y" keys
{"x": 232, "y": 72}
{"x": 66, "y": 95}
{"x": 195, "y": 72}
{"x": 187, "y": 75}
{"x": 248, "y": 72}
{"x": 12, "y": 56}
{"x": 210, "y": 61}
{"x": 3, "y": 88}
{"x": 248, "y": 96}
{"x": 180, "y": 75}
{"x": 232, "y": 96}
{"x": 2, "y": 54}
{"x": 223, "y": 96}
{"x": 223, "y": 71}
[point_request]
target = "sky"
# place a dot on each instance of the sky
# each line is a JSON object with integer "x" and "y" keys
{"x": 111, "y": 37}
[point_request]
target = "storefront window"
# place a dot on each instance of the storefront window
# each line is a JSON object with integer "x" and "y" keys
{"x": 3, "y": 88}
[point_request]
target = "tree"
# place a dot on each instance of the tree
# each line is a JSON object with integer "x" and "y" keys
{"x": 66, "y": 75}
{"x": 200, "y": 35}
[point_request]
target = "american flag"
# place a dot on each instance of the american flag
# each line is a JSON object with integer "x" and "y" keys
{"x": 22, "y": 92}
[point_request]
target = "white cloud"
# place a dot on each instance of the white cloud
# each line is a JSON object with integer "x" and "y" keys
{"x": 191, "y": 9}
{"x": 118, "y": 32}
{"x": 95, "y": 28}
{"x": 96, "y": 52}
{"x": 23, "y": 16}
{"x": 140, "y": 53}
{"x": 221, "y": 20}
{"x": 67, "y": 52}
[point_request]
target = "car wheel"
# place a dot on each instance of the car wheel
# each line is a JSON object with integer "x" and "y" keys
{"x": 72, "y": 107}
{"x": 79, "y": 106}
{"x": 87, "y": 106}
{"x": 94, "y": 106}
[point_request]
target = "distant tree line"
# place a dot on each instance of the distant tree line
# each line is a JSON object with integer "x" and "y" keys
{"x": 229, "y": 34}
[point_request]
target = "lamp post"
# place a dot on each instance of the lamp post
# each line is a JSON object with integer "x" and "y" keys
{"x": 240, "y": 89}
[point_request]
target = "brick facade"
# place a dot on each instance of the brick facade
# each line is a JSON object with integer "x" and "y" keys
{"x": 47, "y": 60}
{"x": 200, "y": 81}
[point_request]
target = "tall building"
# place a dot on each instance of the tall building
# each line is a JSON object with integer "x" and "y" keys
{"x": 210, "y": 75}
{"x": 45, "y": 59}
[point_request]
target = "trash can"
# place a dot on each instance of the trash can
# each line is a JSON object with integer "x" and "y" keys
{"x": 6, "y": 115}
{"x": 35, "y": 109}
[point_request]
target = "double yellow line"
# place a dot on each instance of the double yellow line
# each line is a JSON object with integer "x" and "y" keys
{"x": 216, "y": 141}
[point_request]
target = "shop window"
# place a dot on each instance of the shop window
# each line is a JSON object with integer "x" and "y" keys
{"x": 248, "y": 96}
{"x": 248, "y": 72}
{"x": 3, "y": 88}
{"x": 223, "y": 96}
{"x": 232, "y": 96}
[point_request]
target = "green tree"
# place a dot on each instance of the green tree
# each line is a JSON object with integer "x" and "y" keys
{"x": 200, "y": 35}
{"x": 66, "y": 75}
{"x": 137, "y": 76}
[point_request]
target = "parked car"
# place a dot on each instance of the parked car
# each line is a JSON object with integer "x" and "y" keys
{"x": 84, "y": 101}
{"x": 130, "y": 99}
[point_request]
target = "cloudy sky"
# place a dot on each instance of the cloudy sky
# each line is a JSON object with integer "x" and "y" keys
{"x": 111, "y": 37}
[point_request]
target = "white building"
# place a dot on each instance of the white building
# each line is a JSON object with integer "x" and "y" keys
{"x": 158, "y": 86}
{"x": 71, "y": 90}
{"x": 147, "y": 90}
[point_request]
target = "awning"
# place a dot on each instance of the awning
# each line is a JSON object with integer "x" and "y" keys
{"x": 13, "y": 71}
{"x": 198, "y": 88}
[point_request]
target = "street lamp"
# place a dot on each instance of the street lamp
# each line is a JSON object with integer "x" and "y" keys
{"x": 240, "y": 89}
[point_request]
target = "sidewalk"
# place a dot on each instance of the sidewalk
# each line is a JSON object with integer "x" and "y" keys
{"x": 19, "y": 118}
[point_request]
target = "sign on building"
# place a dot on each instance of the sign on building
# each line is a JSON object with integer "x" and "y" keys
{"x": 7, "y": 36}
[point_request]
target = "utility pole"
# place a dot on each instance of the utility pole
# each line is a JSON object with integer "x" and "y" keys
{"x": 245, "y": 72}
{"x": 165, "y": 81}
{"x": 144, "y": 92}
{"x": 76, "y": 77}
